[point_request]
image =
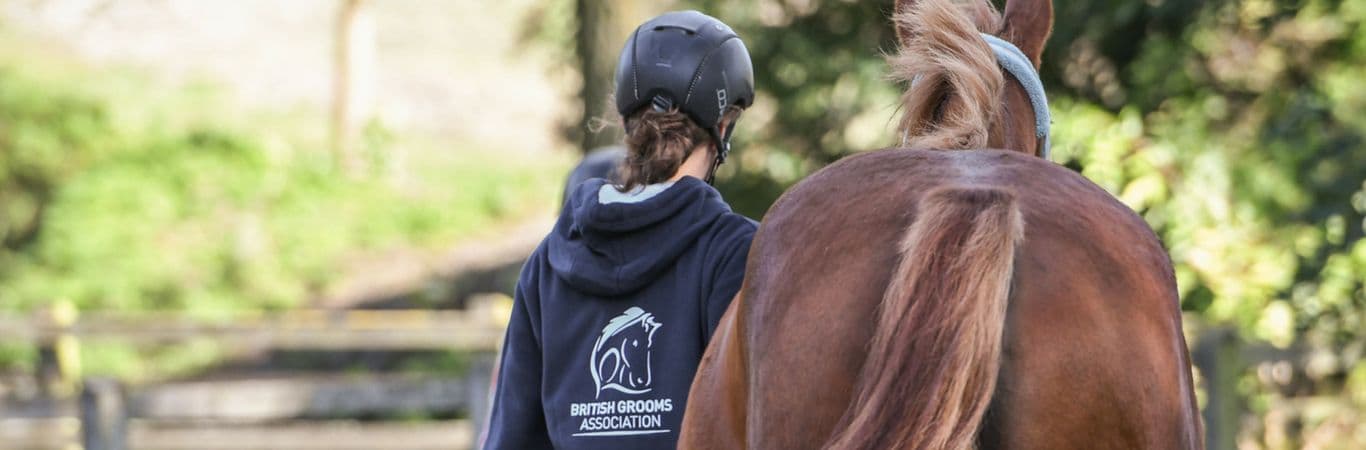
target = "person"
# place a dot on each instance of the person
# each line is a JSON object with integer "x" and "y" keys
{"x": 614, "y": 309}
{"x": 599, "y": 163}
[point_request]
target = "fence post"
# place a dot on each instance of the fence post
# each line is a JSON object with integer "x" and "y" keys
{"x": 481, "y": 379}
{"x": 479, "y": 386}
{"x": 58, "y": 351}
{"x": 104, "y": 415}
{"x": 1219, "y": 357}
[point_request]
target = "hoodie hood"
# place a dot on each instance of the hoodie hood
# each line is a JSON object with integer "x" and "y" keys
{"x": 614, "y": 248}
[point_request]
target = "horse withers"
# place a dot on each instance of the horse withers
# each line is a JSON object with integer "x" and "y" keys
{"x": 959, "y": 297}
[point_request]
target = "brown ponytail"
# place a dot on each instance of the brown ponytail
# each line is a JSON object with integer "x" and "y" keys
{"x": 656, "y": 146}
{"x": 658, "y": 143}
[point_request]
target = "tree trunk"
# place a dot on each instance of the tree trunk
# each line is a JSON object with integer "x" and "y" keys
{"x": 603, "y": 28}
{"x": 353, "y": 82}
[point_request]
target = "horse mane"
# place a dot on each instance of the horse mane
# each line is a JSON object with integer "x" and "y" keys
{"x": 954, "y": 81}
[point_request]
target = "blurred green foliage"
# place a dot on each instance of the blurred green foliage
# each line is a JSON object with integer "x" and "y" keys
{"x": 822, "y": 89}
{"x": 1234, "y": 127}
{"x": 119, "y": 195}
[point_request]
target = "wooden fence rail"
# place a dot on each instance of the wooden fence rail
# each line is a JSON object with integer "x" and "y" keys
{"x": 473, "y": 330}
{"x": 60, "y": 433}
{"x": 107, "y": 409}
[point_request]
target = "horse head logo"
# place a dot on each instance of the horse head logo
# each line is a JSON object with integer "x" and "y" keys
{"x": 621, "y": 356}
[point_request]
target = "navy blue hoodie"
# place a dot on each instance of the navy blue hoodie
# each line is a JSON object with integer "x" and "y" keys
{"x": 611, "y": 315}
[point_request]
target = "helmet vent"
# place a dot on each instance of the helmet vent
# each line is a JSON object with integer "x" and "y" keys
{"x": 686, "y": 31}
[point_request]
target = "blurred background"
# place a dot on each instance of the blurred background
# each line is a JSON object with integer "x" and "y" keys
{"x": 262, "y": 224}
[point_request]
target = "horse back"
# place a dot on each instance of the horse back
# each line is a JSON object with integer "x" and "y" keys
{"x": 1093, "y": 354}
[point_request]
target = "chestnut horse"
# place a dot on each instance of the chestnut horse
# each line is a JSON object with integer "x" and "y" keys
{"x": 943, "y": 296}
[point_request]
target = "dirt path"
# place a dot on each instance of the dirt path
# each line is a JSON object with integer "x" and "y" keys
{"x": 475, "y": 266}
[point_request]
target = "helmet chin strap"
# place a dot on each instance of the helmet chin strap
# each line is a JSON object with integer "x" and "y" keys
{"x": 721, "y": 142}
{"x": 716, "y": 162}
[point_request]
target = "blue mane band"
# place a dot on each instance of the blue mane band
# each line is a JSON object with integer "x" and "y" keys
{"x": 1014, "y": 61}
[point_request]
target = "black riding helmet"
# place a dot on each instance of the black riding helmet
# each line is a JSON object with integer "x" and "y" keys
{"x": 689, "y": 60}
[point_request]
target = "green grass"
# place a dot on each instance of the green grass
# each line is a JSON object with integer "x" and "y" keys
{"x": 117, "y": 193}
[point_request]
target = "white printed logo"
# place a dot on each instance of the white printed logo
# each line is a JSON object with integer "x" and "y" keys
{"x": 621, "y": 362}
{"x": 721, "y": 100}
{"x": 621, "y": 356}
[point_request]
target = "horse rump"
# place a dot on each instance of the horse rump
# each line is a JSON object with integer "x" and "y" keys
{"x": 936, "y": 352}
